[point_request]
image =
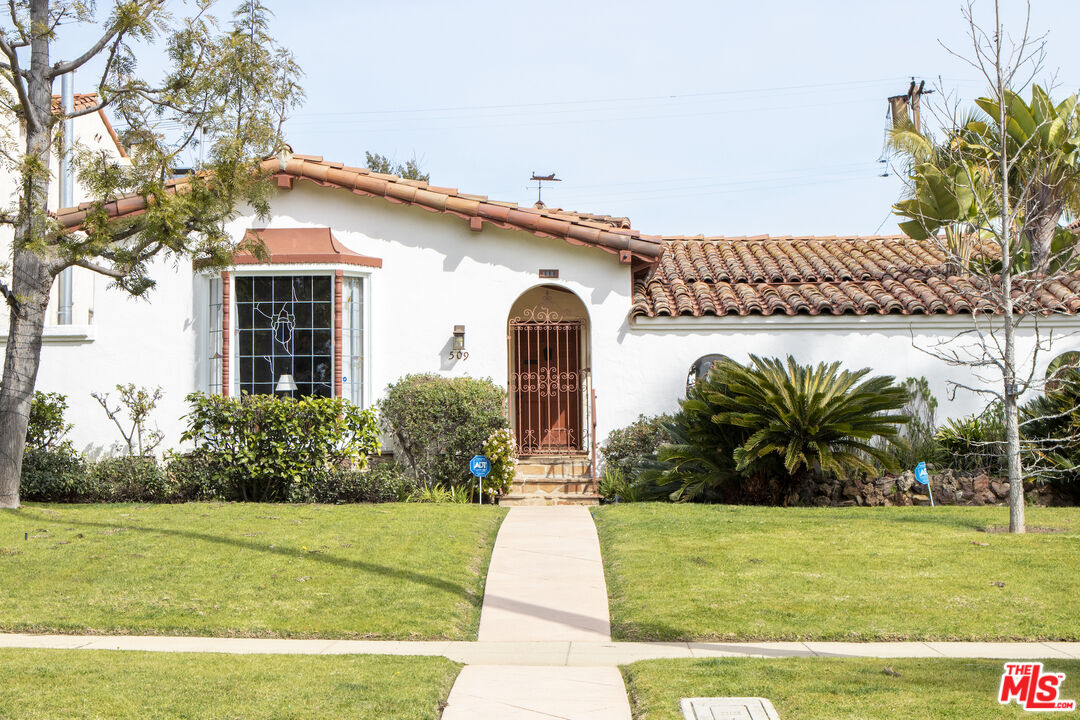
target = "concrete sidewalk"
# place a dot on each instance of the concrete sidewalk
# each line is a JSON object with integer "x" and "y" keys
{"x": 546, "y": 578}
{"x": 555, "y": 654}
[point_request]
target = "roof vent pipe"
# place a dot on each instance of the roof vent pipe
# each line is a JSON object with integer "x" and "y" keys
{"x": 67, "y": 189}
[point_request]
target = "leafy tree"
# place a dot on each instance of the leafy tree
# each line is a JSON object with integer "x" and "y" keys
{"x": 409, "y": 169}
{"x": 991, "y": 192}
{"x": 227, "y": 89}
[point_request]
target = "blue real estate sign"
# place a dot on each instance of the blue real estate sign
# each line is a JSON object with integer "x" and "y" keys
{"x": 480, "y": 466}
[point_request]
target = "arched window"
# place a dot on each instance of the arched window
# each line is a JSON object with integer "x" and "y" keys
{"x": 1059, "y": 368}
{"x": 701, "y": 368}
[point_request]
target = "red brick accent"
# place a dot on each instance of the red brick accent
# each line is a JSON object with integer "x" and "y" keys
{"x": 225, "y": 332}
{"x": 339, "y": 282}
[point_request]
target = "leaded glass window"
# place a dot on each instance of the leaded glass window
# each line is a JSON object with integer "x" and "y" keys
{"x": 284, "y": 326}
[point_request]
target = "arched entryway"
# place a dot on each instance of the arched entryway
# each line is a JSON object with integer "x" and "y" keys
{"x": 548, "y": 331}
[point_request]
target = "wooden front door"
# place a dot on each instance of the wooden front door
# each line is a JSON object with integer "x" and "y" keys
{"x": 546, "y": 386}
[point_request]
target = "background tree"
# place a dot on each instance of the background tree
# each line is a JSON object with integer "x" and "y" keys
{"x": 991, "y": 192}
{"x": 409, "y": 170}
{"x": 224, "y": 92}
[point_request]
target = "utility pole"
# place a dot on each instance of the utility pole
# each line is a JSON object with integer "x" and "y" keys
{"x": 899, "y": 105}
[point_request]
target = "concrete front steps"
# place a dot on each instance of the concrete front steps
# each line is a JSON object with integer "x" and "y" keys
{"x": 552, "y": 480}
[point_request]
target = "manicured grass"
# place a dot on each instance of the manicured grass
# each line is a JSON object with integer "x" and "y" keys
{"x": 752, "y": 573}
{"x": 836, "y": 689}
{"x": 70, "y": 684}
{"x": 358, "y": 571}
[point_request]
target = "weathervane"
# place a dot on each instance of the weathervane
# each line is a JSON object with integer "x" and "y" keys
{"x": 540, "y": 180}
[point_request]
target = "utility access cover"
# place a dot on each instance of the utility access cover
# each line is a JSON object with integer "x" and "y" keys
{"x": 732, "y": 708}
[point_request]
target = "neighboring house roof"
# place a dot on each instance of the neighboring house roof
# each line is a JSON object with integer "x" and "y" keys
{"x": 81, "y": 101}
{"x": 85, "y": 101}
{"x": 815, "y": 276}
{"x": 611, "y": 234}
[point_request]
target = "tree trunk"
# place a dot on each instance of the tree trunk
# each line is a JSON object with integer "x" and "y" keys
{"x": 1042, "y": 212}
{"x": 32, "y": 273}
{"x": 1016, "y": 476}
{"x": 21, "y": 360}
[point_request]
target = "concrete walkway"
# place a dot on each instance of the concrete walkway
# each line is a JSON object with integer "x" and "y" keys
{"x": 546, "y": 578}
{"x": 537, "y": 693}
{"x": 552, "y": 654}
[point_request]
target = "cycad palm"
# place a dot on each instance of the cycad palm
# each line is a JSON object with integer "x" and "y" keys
{"x": 812, "y": 417}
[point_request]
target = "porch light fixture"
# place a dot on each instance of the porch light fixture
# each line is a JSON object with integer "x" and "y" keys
{"x": 459, "y": 337}
{"x": 286, "y": 383}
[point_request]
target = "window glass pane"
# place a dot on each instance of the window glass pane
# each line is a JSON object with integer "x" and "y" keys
{"x": 352, "y": 355}
{"x": 264, "y": 289}
{"x": 302, "y": 287}
{"x": 320, "y": 315}
{"x": 303, "y": 314}
{"x": 279, "y": 333}
{"x": 243, "y": 289}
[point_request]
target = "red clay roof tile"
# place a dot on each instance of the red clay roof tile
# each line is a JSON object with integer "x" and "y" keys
{"x": 815, "y": 275}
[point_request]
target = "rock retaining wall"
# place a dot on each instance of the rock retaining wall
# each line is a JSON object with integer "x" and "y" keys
{"x": 948, "y": 487}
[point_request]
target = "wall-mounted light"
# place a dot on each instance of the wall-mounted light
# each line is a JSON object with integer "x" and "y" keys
{"x": 459, "y": 337}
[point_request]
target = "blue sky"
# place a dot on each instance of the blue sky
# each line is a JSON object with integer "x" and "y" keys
{"x": 688, "y": 117}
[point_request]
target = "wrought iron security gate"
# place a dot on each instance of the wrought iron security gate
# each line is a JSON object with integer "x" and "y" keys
{"x": 547, "y": 384}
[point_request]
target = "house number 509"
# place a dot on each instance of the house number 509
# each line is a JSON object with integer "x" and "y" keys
{"x": 458, "y": 355}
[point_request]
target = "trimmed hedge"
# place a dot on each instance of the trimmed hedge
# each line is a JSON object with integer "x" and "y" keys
{"x": 439, "y": 423}
{"x": 270, "y": 449}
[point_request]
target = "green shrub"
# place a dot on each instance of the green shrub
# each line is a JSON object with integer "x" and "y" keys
{"x": 501, "y": 449}
{"x": 439, "y": 423}
{"x": 440, "y": 494}
{"x": 642, "y": 438}
{"x": 381, "y": 482}
{"x": 1050, "y": 427}
{"x": 194, "y": 476}
{"x": 916, "y": 441}
{"x": 131, "y": 478}
{"x": 615, "y": 486}
{"x": 270, "y": 449}
{"x": 976, "y": 443}
{"x": 57, "y": 476}
{"x": 46, "y": 428}
{"x": 758, "y": 433}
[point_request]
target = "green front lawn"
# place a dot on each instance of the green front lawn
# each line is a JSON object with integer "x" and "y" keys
{"x": 836, "y": 689}
{"x": 682, "y": 572}
{"x": 70, "y": 684}
{"x": 359, "y": 571}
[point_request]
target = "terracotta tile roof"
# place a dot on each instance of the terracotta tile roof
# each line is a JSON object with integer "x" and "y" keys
{"x": 84, "y": 101}
{"x": 611, "y": 234}
{"x": 81, "y": 101}
{"x": 815, "y": 276}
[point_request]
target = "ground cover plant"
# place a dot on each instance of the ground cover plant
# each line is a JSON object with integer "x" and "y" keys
{"x": 379, "y": 571}
{"x": 835, "y": 689}
{"x": 84, "y": 684}
{"x": 683, "y": 572}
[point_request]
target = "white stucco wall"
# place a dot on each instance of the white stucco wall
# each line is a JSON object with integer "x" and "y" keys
{"x": 902, "y": 346}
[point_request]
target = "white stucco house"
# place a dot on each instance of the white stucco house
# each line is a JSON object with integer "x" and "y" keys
{"x": 586, "y": 321}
